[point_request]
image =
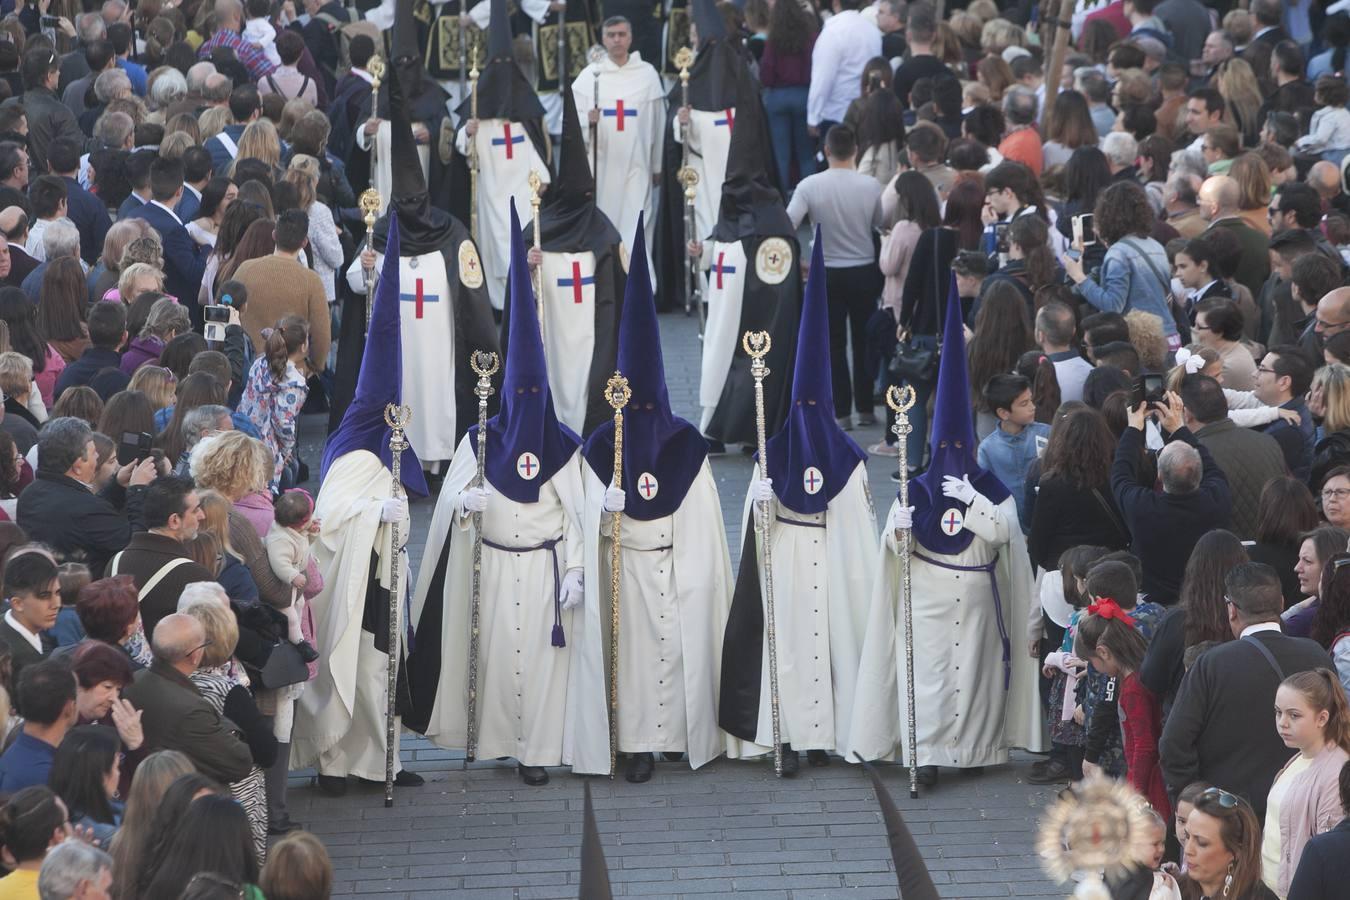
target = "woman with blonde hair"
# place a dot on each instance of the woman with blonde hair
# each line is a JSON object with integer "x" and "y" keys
{"x": 1000, "y": 34}
{"x": 185, "y": 123}
{"x": 298, "y": 869}
{"x": 135, "y": 280}
{"x": 261, "y": 142}
{"x": 174, "y": 144}
{"x": 1329, "y": 397}
{"x": 157, "y": 383}
{"x": 1236, "y": 81}
{"x": 325, "y": 247}
{"x": 1253, "y": 180}
{"x": 103, "y": 276}
{"x": 212, "y": 122}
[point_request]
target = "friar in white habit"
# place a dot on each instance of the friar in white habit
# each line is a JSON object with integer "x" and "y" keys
{"x": 976, "y": 694}
{"x": 531, "y": 577}
{"x": 625, "y": 106}
{"x": 507, "y": 128}
{"x": 340, "y": 718}
{"x": 675, "y": 579}
{"x": 820, "y": 524}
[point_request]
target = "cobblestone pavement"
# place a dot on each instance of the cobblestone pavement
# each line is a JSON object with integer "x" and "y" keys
{"x": 728, "y": 830}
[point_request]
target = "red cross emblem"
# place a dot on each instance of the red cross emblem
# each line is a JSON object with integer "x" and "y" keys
{"x": 647, "y": 486}
{"x": 507, "y": 140}
{"x": 618, "y": 113}
{"x": 576, "y": 282}
{"x": 720, "y": 268}
{"x": 952, "y": 521}
{"x": 728, "y": 119}
{"x": 812, "y": 480}
{"x": 419, "y": 299}
{"x": 527, "y": 466}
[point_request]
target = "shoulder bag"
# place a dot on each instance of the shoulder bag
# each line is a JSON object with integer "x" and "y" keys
{"x": 916, "y": 361}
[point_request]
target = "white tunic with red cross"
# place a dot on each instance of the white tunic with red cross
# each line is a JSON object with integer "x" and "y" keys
{"x": 709, "y": 145}
{"x": 567, "y": 285}
{"x": 506, "y": 156}
{"x": 726, "y": 264}
{"x": 631, "y": 104}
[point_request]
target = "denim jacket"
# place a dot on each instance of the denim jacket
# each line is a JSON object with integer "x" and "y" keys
{"x": 1126, "y": 282}
{"x": 1009, "y": 455}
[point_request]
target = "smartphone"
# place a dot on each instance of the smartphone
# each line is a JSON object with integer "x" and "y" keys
{"x": 1001, "y": 237}
{"x": 51, "y": 22}
{"x": 134, "y": 447}
{"x": 1149, "y": 389}
{"x": 217, "y": 317}
{"x": 1084, "y": 231}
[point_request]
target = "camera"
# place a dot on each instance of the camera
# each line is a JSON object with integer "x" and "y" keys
{"x": 1149, "y": 389}
{"x": 134, "y": 447}
{"x": 216, "y": 318}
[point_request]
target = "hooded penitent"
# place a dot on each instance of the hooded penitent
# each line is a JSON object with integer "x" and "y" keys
{"x": 811, "y": 437}
{"x": 526, "y": 424}
{"x": 503, "y": 91}
{"x": 655, "y": 440}
{"x": 380, "y": 383}
{"x": 569, "y": 220}
{"x": 952, "y": 445}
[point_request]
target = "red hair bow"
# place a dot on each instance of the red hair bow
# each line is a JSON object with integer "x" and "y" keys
{"x": 1109, "y": 609}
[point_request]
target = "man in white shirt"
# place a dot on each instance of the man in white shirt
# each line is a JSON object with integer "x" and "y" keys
{"x": 843, "y": 47}
{"x": 1055, "y": 326}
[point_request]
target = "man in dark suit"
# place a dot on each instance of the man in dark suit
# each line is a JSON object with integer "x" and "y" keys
{"x": 157, "y": 559}
{"x": 89, "y": 213}
{"x": 184, "y": 261}
{"x": 1269, "y": 15}
{"x": 1219, "y": 199}
{"x": 174, "y": 715}
{"x": 1209, "y": 734}
{"x": 196, "y": 173}
{"x": 138, "y": 176}
{"x": 34, "y": 596}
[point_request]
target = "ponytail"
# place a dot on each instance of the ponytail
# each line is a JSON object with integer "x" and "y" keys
{"x": 280, "y": 342}
{"x": 1037, "y": 368}
{"x": 1124, "y": 641}
{"x": 1322, "y": 689}
{"x": 28, "y": 821}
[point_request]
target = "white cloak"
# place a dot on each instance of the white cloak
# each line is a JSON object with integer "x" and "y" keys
{"x": 340, "y": 717}
{"x": 821, "y": 579}
{"x": 569, "y": 331}
{"x": 725, "y": 265}
{"x": 672, "y": 615}
{"x": 629, "y": 153}
{"x": 383, "y": 179}
{"x": 709, "y": 147}
{"x": 428, "y": 342}
{"x": 964, "y": 715}
{"x": 523, "y": 681}
{"x": 499, "y": 179}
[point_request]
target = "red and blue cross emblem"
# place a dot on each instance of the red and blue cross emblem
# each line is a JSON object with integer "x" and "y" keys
{"x": 618, "y": 113}
{"x": 647, "y": 486}
{"x": 508, "y": 140}
{"x": 576, "y": 282}
{"x": 722, "y": 267}
{"x": 419, "y": 297}
{"x": 812, "y": 480}
{"x": 728, "y": 119}
{"x": 527, "y": 466}
{"x": 951, "y": 521}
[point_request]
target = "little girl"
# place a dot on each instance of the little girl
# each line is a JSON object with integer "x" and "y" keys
{"x": 1312, "y": 716}
{"x": 288, "y": 551}
{"x": 1329, "y": 132}
{"x": 1108, "y": 638}
{"x": 276, "y": 391}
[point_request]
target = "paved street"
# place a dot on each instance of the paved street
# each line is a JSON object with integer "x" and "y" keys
{"x": 728, "y": 830}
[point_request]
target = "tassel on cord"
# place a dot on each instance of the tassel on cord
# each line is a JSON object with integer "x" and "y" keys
{"x": 558, "y": 639}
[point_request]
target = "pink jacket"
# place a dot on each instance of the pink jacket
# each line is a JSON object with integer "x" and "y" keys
{"x": 1311, "y": 806}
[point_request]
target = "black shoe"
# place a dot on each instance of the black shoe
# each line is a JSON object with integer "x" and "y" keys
{"x": 307, "y": 651}
{"x": 640, "y": 766}
{"x": 333, "y": 785}
{"x": 928, "y": 775}
{"x": 285, "y": 826}
{"x": 405, "y": 778}
{"x": 673, "y": 757}
{"x": 818, "y": 758}
{"x": 534, "y": 776}
{"x": 791, "y": 762}
{"x": 895, "y": 476}
{"x": 1054, "y": 772}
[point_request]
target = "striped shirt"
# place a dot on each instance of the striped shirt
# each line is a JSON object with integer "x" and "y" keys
{"x": 251, "y": 55}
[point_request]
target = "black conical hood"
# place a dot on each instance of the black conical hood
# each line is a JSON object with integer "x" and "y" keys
{"x": 503, "y": 90}
{"x": 594, "y": 871}
{"x": 405, "y": 58}
{"x": 751, "y": 205}
{"x": 910, "y": 870}
{"x": 569, "y": 220}
{"x": 499, "y": 33}
{"x": 709, "y": 22}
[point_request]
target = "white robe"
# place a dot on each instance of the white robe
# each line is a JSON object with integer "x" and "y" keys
{"x": 725, "y": 265}
{"x": 523, "y": 681}
{"x": 709, "y": 147}
{"x": 629, "y": 154}
{"x": 672, "y": 615}
{"x": 500, "y": 179}
{"x": 568, "y": 327}
{"x": 383, "y": 179}
{"x": 428, "y": 350}
{"x": 964, "y": 715}
{"x": 821, "y": 579}
{"x": 340, "y": 718}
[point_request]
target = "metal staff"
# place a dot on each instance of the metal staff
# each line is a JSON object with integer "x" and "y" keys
{"x": 484, "y": 364}
{"x": 689, "y": 178}
{"x": 562, "y": 48}
{"x": 397, "y": 418}
{"x": 473, "y": 148}
{"x": 370, "y": 204}
{"x": 594, "y": 56}
{"x": 756, "y": 345}
{"x": 617, "y": 393}
{"x": 463, "y": 50}
{"x": 900, "y": 400}
{"x": 376, "y": 69}
{"x": 535, "y": 184}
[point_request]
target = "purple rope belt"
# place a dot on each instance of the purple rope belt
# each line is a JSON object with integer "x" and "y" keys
{"x": 552, "y": 547}
{"x": 987, "y": 568}
{"x": 799, "y": 522}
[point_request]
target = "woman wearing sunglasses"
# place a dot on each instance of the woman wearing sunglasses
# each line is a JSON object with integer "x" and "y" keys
{"x": 1223, "y": 854}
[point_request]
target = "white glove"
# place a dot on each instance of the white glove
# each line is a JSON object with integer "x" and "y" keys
{"x": 573, "y": 588}
{"x": 473, "y": 500}
{"x": 761, "y": 490}
{"x": 395, "y": 509}
{"x": 615, "y": 499}
{"x": 958, "y": 488}
{"x": 900, "y": 517}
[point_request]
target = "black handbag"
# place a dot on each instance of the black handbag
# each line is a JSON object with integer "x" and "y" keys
{"x": 284, "y": 667}
{"x": 913, "y": 361}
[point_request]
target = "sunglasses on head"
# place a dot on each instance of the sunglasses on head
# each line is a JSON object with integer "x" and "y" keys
{"x": 1220, "y": 796}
